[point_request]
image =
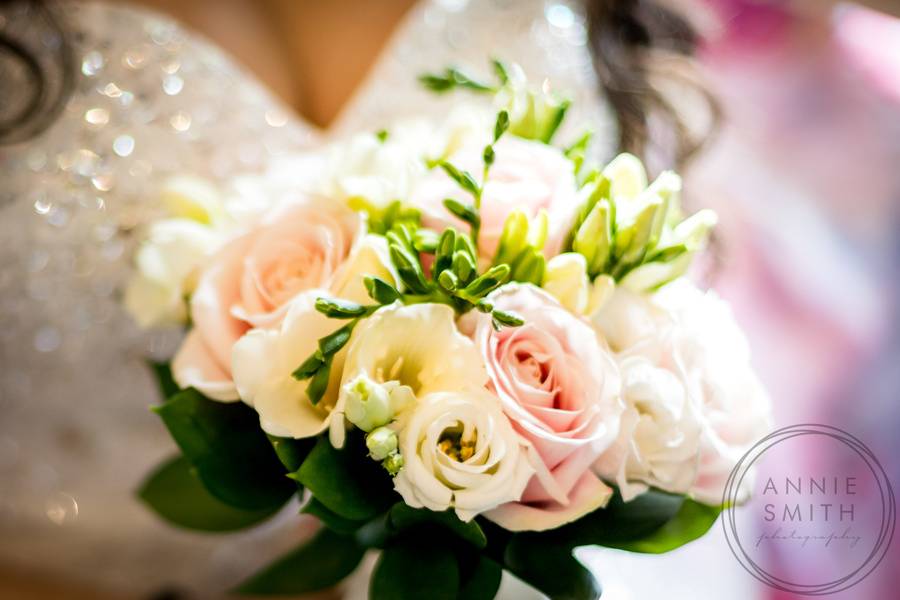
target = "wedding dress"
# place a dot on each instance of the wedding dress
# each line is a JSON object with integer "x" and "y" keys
{"x": 153, "y": 100}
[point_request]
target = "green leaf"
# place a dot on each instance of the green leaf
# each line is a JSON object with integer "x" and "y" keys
{"x": 334, "y": 341}
{"x": 482, "y": 581}
{"x": 331, "y": 519}
{"x": 404, "y": 516}
{"x": 463, "y": 178}
{"x": 337, "y": 308}
{"x": 381, "y": 291}
{"x": 175, "y": 493}
{"x": 309, "y": 367}
{"x": 465, "y": 212}
{"x": 319, "y": 383}
{"x": 507, "y": 318}
{"x": 620, "y": 522}
{"x": 318, "y": 564}
{"x": 291, "y": 452}
{"x": 164, "y": 380}
{"x": 346, "y": 481}
{"x": 501, "y": 71}
{"x": 413, "y": 567}
{"x": 501, "y": 125}
{"x": 409, "y": 269}
{"x": 230, "y": 452}
{"x": 490, "y": 279}
{"x": 551, "y": 568}
{"x": 691, "y": 522}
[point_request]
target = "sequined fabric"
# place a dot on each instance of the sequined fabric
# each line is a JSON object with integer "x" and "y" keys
{"x": 152, "y": 100}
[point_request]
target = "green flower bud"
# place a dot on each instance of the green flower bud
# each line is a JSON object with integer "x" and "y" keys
{"x": 393, "y": 463}
{"x": 368, "y": 403}
{"x": 381, "y": 442}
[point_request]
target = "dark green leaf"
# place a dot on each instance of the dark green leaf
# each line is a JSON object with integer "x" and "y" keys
{"x": 482, "y": 581}
{"x": 319, "y": 383}
{"x": 507, "y": 318}
{"x": 309, "y": 367}
{"x": 381, "y": 291}
{"x": 551, "y": 568}
{"x": 175, "y": 494}
{"x": 334, "y": 341}
{"x": 406, "y": 517}
{"x": 331, "y": 519}
{"x": 556, "y": 121}
{"x": 488, "y": 156}
{"x": 346, "y": 481}
{"x": 291, "y": 452}
{"x": 409, "y": 269}
{"x": 320, "y": 563}
{"x": 164, "y": 380}
{"x": 224, "y": 442}
{"x": 501, "y": 125}
{"x": 465, "y": 212}
{"x": 463, "y": 178}
{"x": 500, "y": 70}
{"x": 413, "y": 567}
{"x": 338, "y": 308}
{"x": 691, "y": 522}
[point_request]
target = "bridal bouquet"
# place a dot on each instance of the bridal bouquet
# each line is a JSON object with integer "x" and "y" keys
{"x": 458, "y": 345}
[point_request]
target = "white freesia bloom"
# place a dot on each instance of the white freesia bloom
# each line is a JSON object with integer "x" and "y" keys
{"x": 693, "y": 403}
{"x": 460, "y": 451}
{"x": 167, "y": 261}
{"x": 565, "y": 278}
{"x": 262, "y": 363}
{"x": 413, "y": 350}
{"x": 373, "y": 170}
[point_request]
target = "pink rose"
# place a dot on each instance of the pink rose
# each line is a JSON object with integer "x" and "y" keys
{"x": 250, "y": 282}
{"x": 559, "y": 386}
{"x": 526, "y": 175}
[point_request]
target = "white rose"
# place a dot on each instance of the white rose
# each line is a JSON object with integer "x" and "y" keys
{"x": 460, "y": 451}
{"x": 734, "y": 407}
{"x": 694, "y": 404}
{"x": 262, "y": 363}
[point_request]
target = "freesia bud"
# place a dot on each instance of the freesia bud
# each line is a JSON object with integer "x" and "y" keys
{"x": 381, "y": 442}
{"x": 565, "y": 278}
{"x": 368, "y": 403}
{"x": 393, "y": 463}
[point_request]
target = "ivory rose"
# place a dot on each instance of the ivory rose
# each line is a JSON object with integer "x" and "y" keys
{"x": 526, "y": 175}
{"x": 693, "y": 403}
{"x": 559, "y": 385}
{"x": 251, "y": 280}
{"x": 460, "y": 451}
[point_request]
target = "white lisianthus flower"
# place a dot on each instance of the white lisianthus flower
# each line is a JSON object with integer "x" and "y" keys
{"x": 411, "y": 350}
{"x": 262, "y": 363}
{"x": 174, "y": 248}
{"x": 460, "y": 451}
{"x": 693, "y": 403}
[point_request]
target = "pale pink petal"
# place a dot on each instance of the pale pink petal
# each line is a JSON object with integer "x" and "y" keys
{"x": 588, "y": 495}
{"x": 194, "y": 366}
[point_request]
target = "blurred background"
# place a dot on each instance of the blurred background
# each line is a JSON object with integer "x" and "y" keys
{"x": 803, "y": 167}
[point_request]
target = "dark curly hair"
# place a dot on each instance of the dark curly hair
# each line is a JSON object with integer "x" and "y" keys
{"x": 633, "y": 42}
{"x": 37, "y": 68}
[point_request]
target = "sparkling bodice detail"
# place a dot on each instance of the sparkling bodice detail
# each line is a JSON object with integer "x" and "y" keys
{"x": 153, "y": 100}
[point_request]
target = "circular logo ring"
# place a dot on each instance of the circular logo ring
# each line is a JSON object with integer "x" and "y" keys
{"x": 885, "y": 491}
